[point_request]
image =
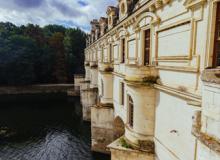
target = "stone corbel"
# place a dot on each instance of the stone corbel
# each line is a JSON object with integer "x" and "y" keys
{"x": 117, "y": 35}
{"x": 127, "y": 34}
{"x": 109, "y": 39}
{"x": 105, "y": 42}
{"x": 166, "y": 1}
{"x": 129, "y": 22}
{"x": 152, "y": 8}
{"x": 137, "y": 29}
{"x": 158, "y": 4}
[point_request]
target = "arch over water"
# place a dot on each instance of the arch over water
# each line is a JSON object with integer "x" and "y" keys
{"x": 119, "y": 127}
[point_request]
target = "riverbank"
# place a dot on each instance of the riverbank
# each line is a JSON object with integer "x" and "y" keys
{"x": 39, "y": 89}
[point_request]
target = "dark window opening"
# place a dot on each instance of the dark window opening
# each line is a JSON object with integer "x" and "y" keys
{"x": 147, "y": 47}
{"x": 123, "y": 51}
{"x": 131, "y": 111}
{"x": 216, "y": 57}
{"x": 122, "y": 93}
{"x": 110, "y": 53}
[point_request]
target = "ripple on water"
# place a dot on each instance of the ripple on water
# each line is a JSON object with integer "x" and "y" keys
{"x": 45, "y": 133}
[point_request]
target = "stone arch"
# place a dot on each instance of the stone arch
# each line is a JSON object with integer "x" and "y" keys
{"x": 154, "y": 18}
{"x": 119, "y": 127}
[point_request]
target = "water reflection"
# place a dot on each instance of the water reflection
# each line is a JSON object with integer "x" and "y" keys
{"x": 44, "y": 128}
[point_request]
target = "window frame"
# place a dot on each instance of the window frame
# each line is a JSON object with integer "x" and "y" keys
{"x": 130, "y": 112}
{"x": 122, "y": 91}
{"x": 216, "y": 55}
{"x": 102, "y": 88}
{"x": 123, "y": 42}
{"x": 147, "y": 60}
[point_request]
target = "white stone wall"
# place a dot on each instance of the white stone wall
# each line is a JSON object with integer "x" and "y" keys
{"x": 107, "y": 95}
{"x": 204, "y": 153}
{"x": 173, "y": 128}
{"x": 211, "y": 110}
{"x": 144, "y": 113}
{"x": 94, "y": 78}
{"x": 87, "y": 70}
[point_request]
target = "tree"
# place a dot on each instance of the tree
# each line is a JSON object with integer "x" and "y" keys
{"x": 32, "y": 55}
{"x": 59, "y": 72}
{"x": 17, "y": 61}
{"x": 75, "y": 43}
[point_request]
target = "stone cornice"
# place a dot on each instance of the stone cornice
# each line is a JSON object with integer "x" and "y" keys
{"x": 185, "y": 95}
{"x": 150, "y": 6}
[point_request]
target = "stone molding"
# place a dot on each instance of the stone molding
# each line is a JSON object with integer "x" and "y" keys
{"x": 211, "y": 142}
{"x": 117, "y": 146}
{"x": 211, "y": 76}
{"x": 178, "y": 93}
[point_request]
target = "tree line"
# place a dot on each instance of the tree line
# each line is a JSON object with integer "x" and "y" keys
{"x": 37, "y": 55}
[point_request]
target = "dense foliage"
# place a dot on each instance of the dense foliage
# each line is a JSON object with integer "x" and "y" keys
{"x": 34, "y": 55}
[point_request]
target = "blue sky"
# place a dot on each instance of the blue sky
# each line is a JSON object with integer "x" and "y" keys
{"x": 70, "y": 13}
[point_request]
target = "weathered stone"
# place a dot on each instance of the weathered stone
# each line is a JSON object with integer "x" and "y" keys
{"x": 102, "y": 128}
{"x": 211, "y": 75}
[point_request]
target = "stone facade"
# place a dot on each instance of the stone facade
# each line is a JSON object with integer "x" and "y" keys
{"x": 155, "y": 65}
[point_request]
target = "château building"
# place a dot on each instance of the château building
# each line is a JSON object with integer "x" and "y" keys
{"x": 152, "y": 83}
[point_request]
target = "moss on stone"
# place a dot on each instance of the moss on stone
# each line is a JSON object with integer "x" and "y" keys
{"x": 124, "y": 143}
{"x": 150, "y": 79}
{"x": 108, "y": 69}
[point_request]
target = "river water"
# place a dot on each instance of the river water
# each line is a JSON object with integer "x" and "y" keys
{"x": 44, "y": 127}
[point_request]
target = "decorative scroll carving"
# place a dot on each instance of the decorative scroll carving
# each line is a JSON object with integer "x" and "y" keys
{"x": 154, "y": 19}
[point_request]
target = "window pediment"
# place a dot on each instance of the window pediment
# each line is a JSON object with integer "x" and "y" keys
{"x": 112, "y": 13}
{"x": 150, "y": 19}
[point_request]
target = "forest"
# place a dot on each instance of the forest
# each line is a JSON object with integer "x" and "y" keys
{"x": 32, "y": 54}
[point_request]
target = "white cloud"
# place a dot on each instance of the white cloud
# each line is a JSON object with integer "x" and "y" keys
{"x": 72, "y": 13}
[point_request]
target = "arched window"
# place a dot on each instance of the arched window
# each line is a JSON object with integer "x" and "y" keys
{"x": 130, "y": 111}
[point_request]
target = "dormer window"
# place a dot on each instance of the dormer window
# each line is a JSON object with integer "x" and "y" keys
{"x": 112, "y": 13}
{"x": 103, "y": 22}
{"x": 123, "y": 8}
{"x": 110, "y": 20}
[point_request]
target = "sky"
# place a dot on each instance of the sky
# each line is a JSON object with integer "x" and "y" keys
{"x": 69, "y": 13}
